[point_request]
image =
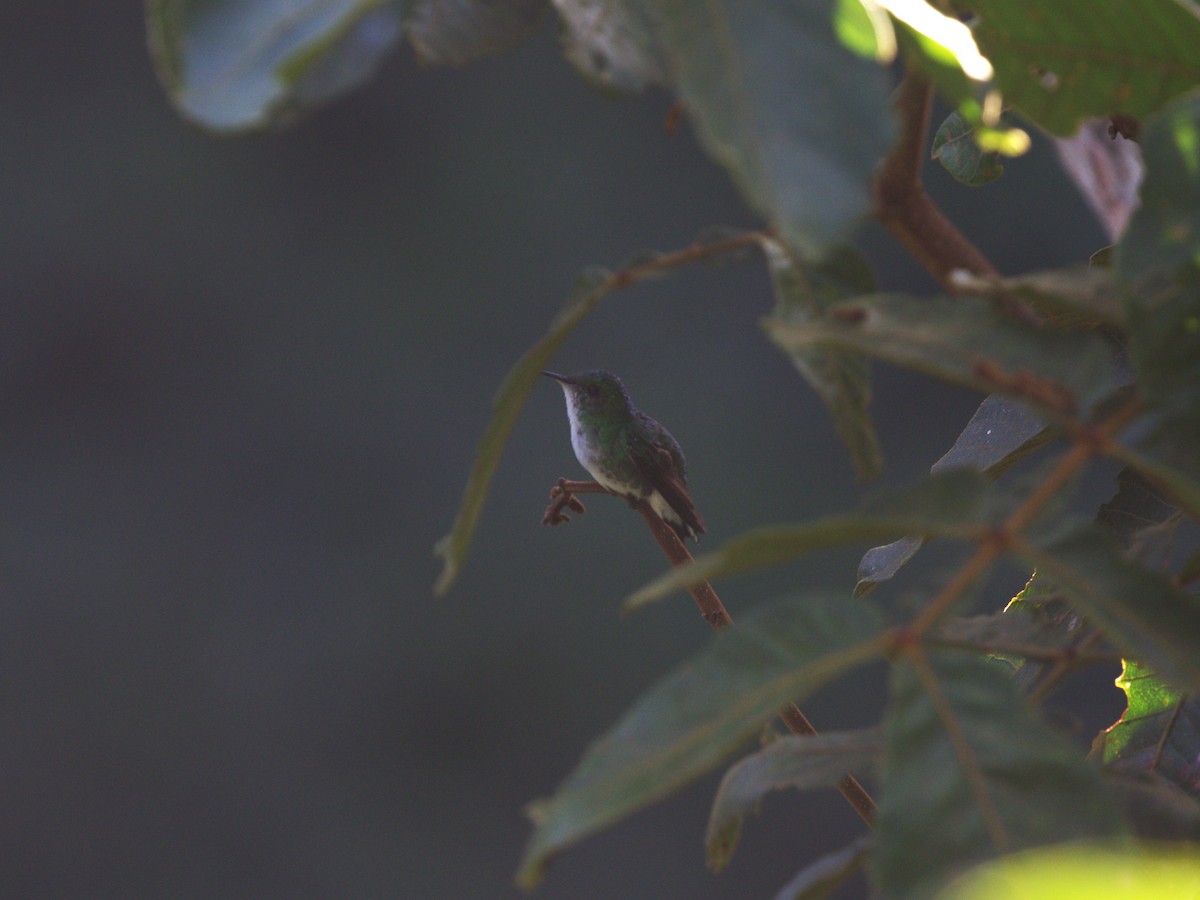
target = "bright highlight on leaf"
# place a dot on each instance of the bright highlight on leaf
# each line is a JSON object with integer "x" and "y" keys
{"x": 942, "y": 29}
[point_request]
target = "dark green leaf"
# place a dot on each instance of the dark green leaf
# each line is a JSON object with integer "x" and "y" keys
{"x": 1001, "y": 432}
{"x": 1144, "y": 615}
{"x": 1158, "y": 732}
{"x": 965, "y": 752}
{"x": 1046, "y": 606}
{"x": 611, "y": 43}
{"x": 947, "y": 504}
{"x": 1159, "y": 261}
{"x": 1018, "y": 632}
{"x": 1064, "y": 62}
{"x": 1141, "y": 518}
{"x": 696, "y": 717}
{"x": 237, "y": 64}
{"x": 590, "y": 288}
{"x": 820, "y": 879}
{"x": 799, "y": 122}
{"x": 1155, "y": 808}
{"x": 841, "y": 379}
{"x": 966, "y": 341}
{"x": 800, "y": 762}
{"x": 456, "y": 32}
{"x": 1067, "y": 298}
{"x": 955, "y": 147}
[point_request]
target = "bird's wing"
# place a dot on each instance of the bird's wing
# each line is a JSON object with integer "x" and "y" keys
{"x": 664, "y": 470}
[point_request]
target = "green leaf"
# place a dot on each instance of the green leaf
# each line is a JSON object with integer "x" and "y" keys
{"x": 1155, "y": 808}
{"x": 1076, "y": 871}
{"x": 611, "y": 43}
{"x": 1159, "y": 261}
{"x": 1158, "y": 732}
{"x": 820, "y": 879}
{"x": 1017, "y": 632}
{"x": 1062, "y": 62}
{"x": 1142, "y": 612}
{"x": 1141, "y": 518}
{"x": 965, "y": 341}
{"x": 947, "y": 504}
{"x": 1046, "y": 606}
{"x": 800, "y": 762}
{"x": 699, "y": 715}
{"x": 235, "y": 64}
{"x": 1075, "y": 296}
{"x": 799, "y": 122}
{"x": 841, "y": 379}
{"x": 967, "y": 755}
{"x": 955, "y": 147}
{"x": 1001, "y": 432}
{"x": 456, "y": 32}
{"x": 592, "y": 286}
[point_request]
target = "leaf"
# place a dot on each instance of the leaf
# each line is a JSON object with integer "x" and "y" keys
{"x": 841, "y": 379}
{"x": 800, "y": 762}
{"x": 1159, "y": 263}
{"x": 1141, "y": 518}
{"x": 965, "y": 341}
{"x": 965, "y": 753}
{"x": 700, "y": 714}
{"x": 1142, "y": 612}
{"x": 590, "y": 288}
{"x": 236, "y": 64}
{"x": 1155, "y": 808}
{"x": 819, "y": 879}
{"x": 955, "y": 147}
{"x": 1075, "y": 296}
{"x": 1017, "y": 632}
{"x": 1106, "y": 172}
{"x": 1131, "y": 872}
{"x": 456, "y": 32}
{"x": 1064, "y": 62}
{"x": 1158, "y": 732}
{"x": 611, "y": 43}
{"x": 946, "y": 504}
{"x": 798, "y": 121}
{"x": 1047, "y": 606}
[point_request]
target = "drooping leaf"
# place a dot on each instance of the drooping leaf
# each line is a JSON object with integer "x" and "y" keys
{"x": 965, "y": 341}
{"x": 801, "y": 762}
{"x": 1066, "y": 61}
{"x": 1001, "y": 432}
{"x": 955, "y": 147}
{"x": 841, "y": 379}
{"x": 798, "y": 121}
{"x": 966, "y": 752}
{"x": 611, "y": 43}
{"x": 947, "y": 504}
{"x": 1142, "y": 612}
{"x": 696, "y": 717}
{"x": 820, "y": 879}
{"x": 590, "y": 288}
{"x": 1076, "y": 871}
{"x": 1159, "y": 262}
{"x": 1158, "y": 732}
{"x": 456, "y": 32}
{"x": 235, "y": 64}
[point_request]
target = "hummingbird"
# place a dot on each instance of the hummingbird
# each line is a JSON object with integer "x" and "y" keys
{"x": 627, "y": 451}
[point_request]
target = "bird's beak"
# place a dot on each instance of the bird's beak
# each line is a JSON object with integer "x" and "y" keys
{"x": 561, "y": 379}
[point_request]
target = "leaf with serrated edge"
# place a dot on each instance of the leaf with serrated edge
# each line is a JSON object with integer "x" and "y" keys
{"x": 965, "y": 751}
{"x": 1142, "y": 612}
{"x": 696, "y": 717}
{"x": 798, "y": 121}
{"x": 1158, "y": 732}
{"x": 946, "y": 504}
{"x": 804, "y": 762}
{"x": 1066, "y": 61}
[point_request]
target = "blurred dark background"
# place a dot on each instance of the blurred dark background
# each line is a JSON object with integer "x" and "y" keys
{"x": 242, "y": 380}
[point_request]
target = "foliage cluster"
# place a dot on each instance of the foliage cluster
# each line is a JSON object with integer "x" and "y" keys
{"x": 1092, "y": 363}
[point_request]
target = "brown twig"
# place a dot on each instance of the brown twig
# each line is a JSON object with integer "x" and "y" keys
{"x": 904, "y": 208}
{"x": 709, "y": 604}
